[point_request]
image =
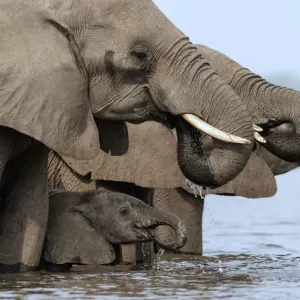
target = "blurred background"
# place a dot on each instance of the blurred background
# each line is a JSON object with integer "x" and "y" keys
{"x": 262, "y": 36}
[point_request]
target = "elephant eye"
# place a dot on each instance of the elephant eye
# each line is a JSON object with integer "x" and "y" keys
{"x": 124, "y": 211}
{"x": 140, "y": 54}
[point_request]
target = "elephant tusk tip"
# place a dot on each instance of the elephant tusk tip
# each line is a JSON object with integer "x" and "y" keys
{"x": 240, "y": 140}
{"x": 246, "y": 142}
{"x": 259, "y": 138}
{"x": 257, "y": 128}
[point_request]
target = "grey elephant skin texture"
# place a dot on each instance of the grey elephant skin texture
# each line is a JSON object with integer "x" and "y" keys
{"x": 66, "y": 64}
{"x": 270, "y": 105}
{"x": 88, "y": 227}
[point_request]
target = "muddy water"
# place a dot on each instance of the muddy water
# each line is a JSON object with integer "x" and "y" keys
{"x": 252, "y": 251}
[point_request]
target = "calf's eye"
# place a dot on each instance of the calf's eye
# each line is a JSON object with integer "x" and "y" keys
{"x": 124, "y": 211}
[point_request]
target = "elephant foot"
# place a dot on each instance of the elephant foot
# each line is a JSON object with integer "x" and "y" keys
{"x": 24, "y": 213}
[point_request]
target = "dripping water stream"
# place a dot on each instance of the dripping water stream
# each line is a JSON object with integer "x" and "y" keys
{"x": 200, "y": 189}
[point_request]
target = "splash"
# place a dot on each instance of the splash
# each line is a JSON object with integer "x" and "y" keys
{"x": 160, "y": 253}
{"x": 197, "y": 188}
{"x": 145, "y": 250}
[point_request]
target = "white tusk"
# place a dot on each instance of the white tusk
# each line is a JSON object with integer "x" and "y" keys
{"x": 259, "y": 138}
{"x": 257, "y": 128}
{"x": 212, "y": 131}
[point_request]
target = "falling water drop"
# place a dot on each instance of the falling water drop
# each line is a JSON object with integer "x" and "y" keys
{"x": 143, "y": 250}
{"x": 195, "y": 188}
{"x": 160, "y": 253}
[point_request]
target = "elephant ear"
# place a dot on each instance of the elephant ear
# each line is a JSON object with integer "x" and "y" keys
{"x": 255, "y": 181}
{"x": 70, "y": 238}
{"x": 147, "y": 157}
{"x": 44, "y": 85}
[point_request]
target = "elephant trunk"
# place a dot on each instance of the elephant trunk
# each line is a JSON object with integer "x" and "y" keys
{"x": 283, "y": 106}
{"x": 208, "y": 97}
{"x": 270, "y": 105}
{"x": 208, "y": 161}
{"x": 151, "y": 218}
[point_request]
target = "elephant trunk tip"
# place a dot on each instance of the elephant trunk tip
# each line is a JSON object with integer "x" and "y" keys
{"x": 158, "y": 218}
{"x": 180, "y": 238}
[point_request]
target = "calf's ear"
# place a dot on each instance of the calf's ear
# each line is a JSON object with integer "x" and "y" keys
{"x": 71, "y": 238}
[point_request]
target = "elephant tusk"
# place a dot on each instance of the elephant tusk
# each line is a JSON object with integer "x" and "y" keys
{"x": 257, "y": 128}
{"x": 259, "y": 138}
{"x": 212, "y": 131}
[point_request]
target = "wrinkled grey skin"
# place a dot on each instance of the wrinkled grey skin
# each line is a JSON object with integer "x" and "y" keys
{"x": 158, "y": 148}
{"x": 88, "y": 227}
{"x": 65, "y": 63}
{"x": 270, "y": 105}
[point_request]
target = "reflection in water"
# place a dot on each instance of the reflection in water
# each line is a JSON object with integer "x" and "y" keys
{"x": 257, "y": 241}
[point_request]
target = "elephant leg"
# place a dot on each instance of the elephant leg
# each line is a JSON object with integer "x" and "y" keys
{"x": 24, "y": 212}
{"x": 7, "y": 143}
{"x": 128, "y": 254}
{"x": 187, "y": 207}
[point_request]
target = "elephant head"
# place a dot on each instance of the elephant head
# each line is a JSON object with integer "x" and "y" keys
{"x": 269, "y": 104}
{"x": 83, "y": 227}
{"x": 65, "y": 63}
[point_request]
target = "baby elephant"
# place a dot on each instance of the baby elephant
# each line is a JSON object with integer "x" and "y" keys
{"x": 87, "y": 228}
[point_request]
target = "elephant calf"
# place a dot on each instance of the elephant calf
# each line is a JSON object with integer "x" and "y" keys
{"x": 88, "y": 228}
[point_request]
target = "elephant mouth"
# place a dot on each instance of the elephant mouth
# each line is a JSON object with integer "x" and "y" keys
{"x": 143, "y": 234}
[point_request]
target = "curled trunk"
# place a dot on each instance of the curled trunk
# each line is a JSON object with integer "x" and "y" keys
{"x": 215, "y": 102}
{"x": 286, "y": 103}
{"x": 151, "y": 218}
{"x": 269, "y": 104}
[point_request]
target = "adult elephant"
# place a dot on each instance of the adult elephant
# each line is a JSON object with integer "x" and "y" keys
{"x": 64, "y": 63}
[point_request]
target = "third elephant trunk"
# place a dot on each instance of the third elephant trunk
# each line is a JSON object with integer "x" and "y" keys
{"x": 270, "y": 105}
{"x": 283, "y": 106}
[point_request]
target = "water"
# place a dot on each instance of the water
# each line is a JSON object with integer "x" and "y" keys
{"x": 256, "y": 242}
